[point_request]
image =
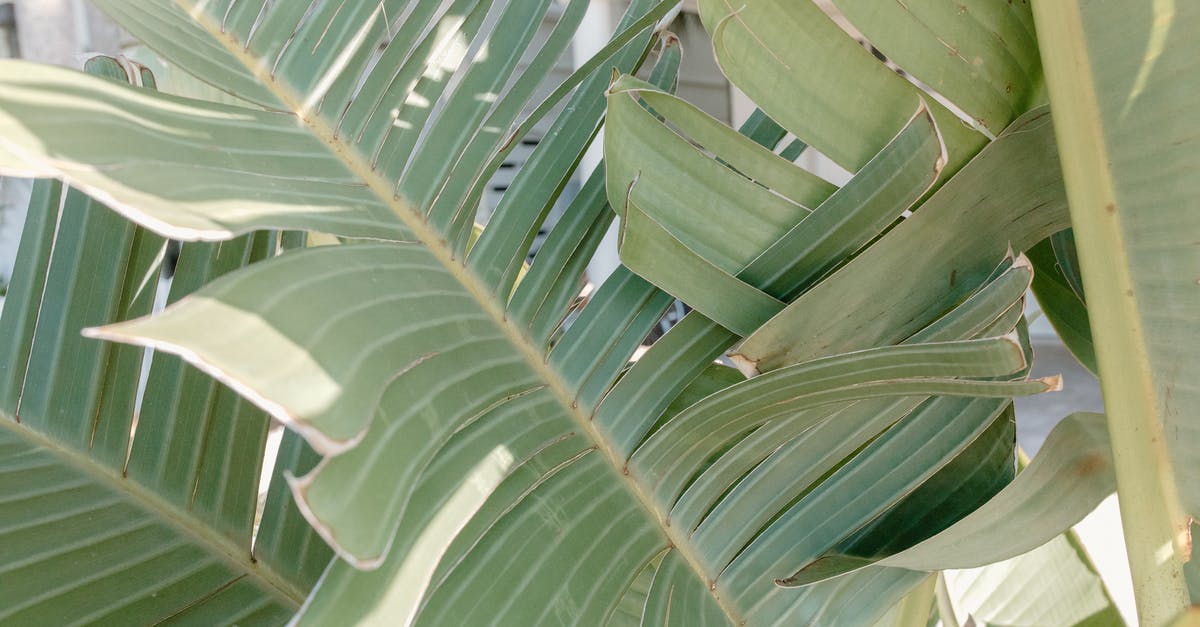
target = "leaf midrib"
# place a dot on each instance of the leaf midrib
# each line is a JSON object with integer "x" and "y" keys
{"x": 434, "y": 242}
{"x": 237, "y": 556}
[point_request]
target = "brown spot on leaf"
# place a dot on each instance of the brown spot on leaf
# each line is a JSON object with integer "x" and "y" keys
{"x": 1091, "y": 465}
{"x": 1110, "y": 207}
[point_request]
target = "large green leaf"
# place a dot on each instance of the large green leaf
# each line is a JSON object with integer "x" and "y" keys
{"x": 1128, "y": 145}
{"x": 118, "y": 508}
{"x": 491, "y": 463}
{"x": 577, "y": 130}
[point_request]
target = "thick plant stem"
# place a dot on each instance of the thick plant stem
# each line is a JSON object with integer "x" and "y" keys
{"x": 1156, "y": 532}
{"x": 944, "y": 605}
{"x": 913, "y": 610}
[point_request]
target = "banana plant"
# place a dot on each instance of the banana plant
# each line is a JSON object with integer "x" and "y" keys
{"x": 469, "y": 441}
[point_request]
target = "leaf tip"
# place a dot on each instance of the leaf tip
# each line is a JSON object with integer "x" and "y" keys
{"x": 612, "y": 82}
{"x": 669, "y": 39}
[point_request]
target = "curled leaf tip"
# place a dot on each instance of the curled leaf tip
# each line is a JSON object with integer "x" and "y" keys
{"x": 1053, "y": 383}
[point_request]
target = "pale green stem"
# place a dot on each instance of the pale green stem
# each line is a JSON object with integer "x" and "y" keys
{"x": 944, "y": 605}
{"x": 1156, "y": 533}
{"x": 913, "y": 609}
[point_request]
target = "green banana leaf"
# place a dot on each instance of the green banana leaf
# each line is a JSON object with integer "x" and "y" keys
{"x": 1128, "y": 146}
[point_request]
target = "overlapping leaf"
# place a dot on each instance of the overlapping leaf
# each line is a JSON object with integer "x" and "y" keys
{"x": 919, "y": 269}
